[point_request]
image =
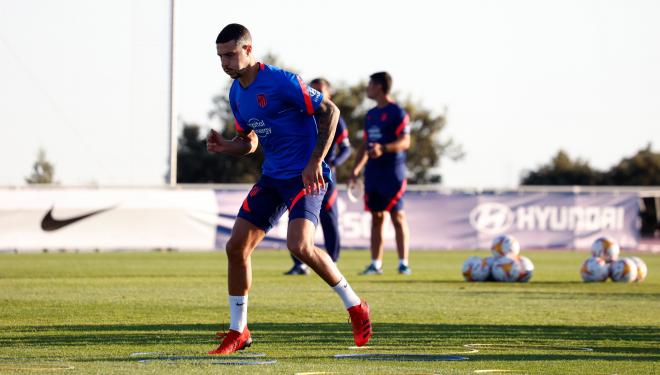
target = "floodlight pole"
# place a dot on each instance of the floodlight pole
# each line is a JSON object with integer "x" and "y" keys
{"x": 172, "y": 101}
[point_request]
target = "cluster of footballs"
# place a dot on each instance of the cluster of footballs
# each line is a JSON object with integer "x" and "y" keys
{"x": 505, "y": 265}
{"x": 605, "y": 262}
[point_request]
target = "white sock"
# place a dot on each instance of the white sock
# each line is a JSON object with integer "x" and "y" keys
{"x": 346, "y": 293}
{"x": 378, "y": 264}
{"x": 403, "y": 262}
{"x": 238, "y": 312}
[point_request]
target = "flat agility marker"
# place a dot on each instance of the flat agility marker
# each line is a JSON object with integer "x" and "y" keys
{"x": 529, "y": 347}
{"x": 215, "y": 361}
{"x": 402, "y": 357}
{"x": 242, "y": 362}
{"x": 157, "y": 356}
{"x": 145, "y": 354}
{"x": 468, "y": 351}
{"x": 240, "y": 359}
{"x": 493, "y": 371}
{"x": 23, "y": 366}
{"x": 314, "y": 373}
{"x": 199, "y": 358}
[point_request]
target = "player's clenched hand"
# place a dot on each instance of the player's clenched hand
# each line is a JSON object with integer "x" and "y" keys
{"x": 352, "y": 180}
{"x": 214, "y": 141}
{"x": 375, "y": 150}
{"x": 312, "y": 177}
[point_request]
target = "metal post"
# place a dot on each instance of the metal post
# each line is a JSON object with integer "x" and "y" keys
{"x": 172, "y": 101}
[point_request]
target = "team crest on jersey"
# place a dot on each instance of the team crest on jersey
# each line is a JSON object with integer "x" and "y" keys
{"x": 383, "y": 117}
{"x": 261, "y": 100}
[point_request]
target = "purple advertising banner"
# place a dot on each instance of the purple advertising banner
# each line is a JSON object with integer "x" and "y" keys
{"x": 469, "y": 221}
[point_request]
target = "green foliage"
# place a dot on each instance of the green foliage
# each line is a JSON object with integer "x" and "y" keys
{"x": 353, "y": 109}
{"x": 426, "y": 146}
{"x": 91, "y": 311}
{"x": 43, "y": 171}
{"x": 563, "y": 171}
{"x": 195, "y": 165}
{"x": 642, "y": 169}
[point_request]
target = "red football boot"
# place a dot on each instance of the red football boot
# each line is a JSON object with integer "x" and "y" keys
{"x": 233, "y": 341}
{"x": 359, "y": 315}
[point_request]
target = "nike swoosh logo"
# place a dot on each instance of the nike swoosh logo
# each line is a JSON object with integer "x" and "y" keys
{"x": 50, "y": 224}
{"x": 240, "y": 304}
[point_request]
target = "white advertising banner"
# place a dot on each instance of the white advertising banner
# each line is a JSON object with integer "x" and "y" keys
{"x": 471, "y": 221}
{"x": 106, "y": 219}
{"x": 202, "y": 219}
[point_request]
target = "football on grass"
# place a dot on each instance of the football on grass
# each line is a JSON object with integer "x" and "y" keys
{"x": 505, "y": 245}
{"x": 475, "y": 269}
{"x": 595, "y": 269}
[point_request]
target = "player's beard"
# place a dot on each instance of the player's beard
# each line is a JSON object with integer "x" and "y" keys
{"x": 235, "y": 74}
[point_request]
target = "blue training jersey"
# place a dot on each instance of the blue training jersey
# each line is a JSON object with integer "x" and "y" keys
{"x": 278, "y": 106}
{"x": 386, "y": 125}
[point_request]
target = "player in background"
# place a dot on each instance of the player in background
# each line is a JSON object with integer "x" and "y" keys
{"x": 339, "y": 151}
{"x": 386, "y": 139}
{"x": 276, "y": 109}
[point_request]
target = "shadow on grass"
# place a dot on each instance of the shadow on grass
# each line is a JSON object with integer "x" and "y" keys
{"x": 637, "y": 343}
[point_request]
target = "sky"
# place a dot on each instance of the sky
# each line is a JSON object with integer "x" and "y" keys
{"x": 87, "y": 81}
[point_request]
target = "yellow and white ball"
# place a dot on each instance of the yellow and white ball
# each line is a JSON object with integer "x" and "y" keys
{"x": 606, "y": 248}
{"x": 642, "y": 270}
{"x": 505, "y": 245}
{"x": 489, "y": 261}
{"x": 475, "y": 269}
{"x": 624, "y": 270}
{"x": 595, "y": 269}
{"x": 526, "y": 269}
{"x": 506, "y": 269}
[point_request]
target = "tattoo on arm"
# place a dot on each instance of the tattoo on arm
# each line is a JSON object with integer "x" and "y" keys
{"x": 327, "y": 115}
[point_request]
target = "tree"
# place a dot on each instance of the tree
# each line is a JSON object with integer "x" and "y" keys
{"x": 426, "y": 146}
{"x": 196, "y": 165}
{"x": 563, "y": 171}
{"x": 43, "y": 171}
{"x": 642, "y": 169}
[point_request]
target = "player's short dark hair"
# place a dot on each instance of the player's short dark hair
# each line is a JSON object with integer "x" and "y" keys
{"x": 320, "y": 80}
{"x": 234, "y": 32}
{"x": 384, "y": 79}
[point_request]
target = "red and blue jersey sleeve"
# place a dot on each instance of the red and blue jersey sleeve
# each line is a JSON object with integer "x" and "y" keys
{"x": 297, "y": 92}
{"x": 341, "y": 134}
{"x": 239, "y": 124}
{"x": 402, "y": 121}
{"x": 341, "y": 143}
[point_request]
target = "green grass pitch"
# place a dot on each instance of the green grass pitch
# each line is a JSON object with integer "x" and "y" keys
{"x": 87, "y": 313}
